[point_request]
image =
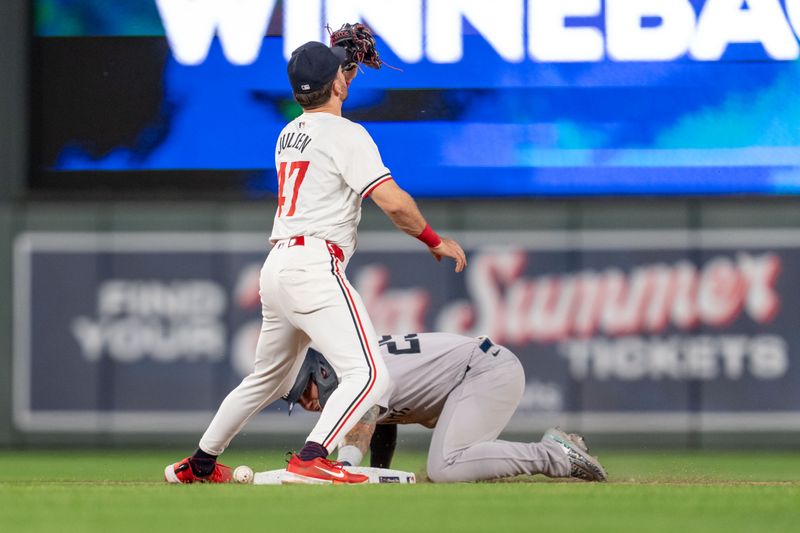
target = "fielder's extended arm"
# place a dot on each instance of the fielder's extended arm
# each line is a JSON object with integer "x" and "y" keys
{"x": 401, "y": 208}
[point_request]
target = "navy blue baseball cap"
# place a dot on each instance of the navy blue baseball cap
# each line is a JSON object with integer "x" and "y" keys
{"x": 313, "y": 65}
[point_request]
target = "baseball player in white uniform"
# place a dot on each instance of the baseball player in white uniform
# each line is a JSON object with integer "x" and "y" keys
{"x": 326, "y": 166}
{"x": 466, "y": 389}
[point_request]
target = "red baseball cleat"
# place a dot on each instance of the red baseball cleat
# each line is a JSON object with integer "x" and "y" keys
{"x": 182, "y": 473}
{"x": 320, "y": 471}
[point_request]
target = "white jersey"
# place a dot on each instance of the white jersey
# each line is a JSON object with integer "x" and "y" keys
{"x": 326, "y": 165}
{"x": 425, "y": 368}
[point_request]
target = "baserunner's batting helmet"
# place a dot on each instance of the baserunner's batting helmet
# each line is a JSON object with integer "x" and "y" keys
{"x": 316, "y": 368}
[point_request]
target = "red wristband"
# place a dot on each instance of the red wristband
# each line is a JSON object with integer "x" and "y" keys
{"x": 429, "y": 237}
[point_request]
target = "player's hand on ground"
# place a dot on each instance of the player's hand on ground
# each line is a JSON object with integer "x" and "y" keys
{"x": 450, "y": 248}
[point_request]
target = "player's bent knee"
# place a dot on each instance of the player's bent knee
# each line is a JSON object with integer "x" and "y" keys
{"x": 435, "y": 472}
{"x": 441, "y": 472}
{"x": 444, "y": 469}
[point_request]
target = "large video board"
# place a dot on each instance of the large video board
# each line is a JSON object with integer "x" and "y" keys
{"x": 500, "y": 98}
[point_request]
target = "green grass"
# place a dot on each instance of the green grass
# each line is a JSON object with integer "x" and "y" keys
{"x": 65, "y": 492}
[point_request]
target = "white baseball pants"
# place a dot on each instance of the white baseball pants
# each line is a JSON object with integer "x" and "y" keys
{"x": 305, "y": 297}
{"x": 463, "y": 445}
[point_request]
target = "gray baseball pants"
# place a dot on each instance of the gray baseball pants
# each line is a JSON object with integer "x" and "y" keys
{"x": 464, "y": 445}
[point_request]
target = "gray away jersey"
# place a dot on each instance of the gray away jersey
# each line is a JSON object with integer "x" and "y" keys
{"x": 425, "y": 368}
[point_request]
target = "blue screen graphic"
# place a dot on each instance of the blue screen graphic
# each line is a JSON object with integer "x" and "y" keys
{"x": 480, "y": 126}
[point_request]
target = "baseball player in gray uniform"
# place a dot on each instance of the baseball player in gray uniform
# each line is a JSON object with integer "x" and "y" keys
{"x": 466, "y": 389}
{"x": 326, "y": 166}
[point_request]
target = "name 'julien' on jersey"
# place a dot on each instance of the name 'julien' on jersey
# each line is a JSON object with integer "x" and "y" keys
{"x": 326, "y": 166}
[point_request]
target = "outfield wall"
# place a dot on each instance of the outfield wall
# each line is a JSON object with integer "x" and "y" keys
{"x": 718, "y": 354}
{"x": 550, "y": 236}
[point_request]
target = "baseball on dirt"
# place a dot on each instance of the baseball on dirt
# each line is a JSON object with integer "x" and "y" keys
{"x": 243, "y": 474}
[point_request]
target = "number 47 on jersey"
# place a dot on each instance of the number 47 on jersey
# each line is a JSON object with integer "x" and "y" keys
{"x": 297, "y": 172}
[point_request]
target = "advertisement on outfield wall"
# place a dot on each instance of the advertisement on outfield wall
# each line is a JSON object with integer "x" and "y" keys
{"x": 616, "y": 330}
